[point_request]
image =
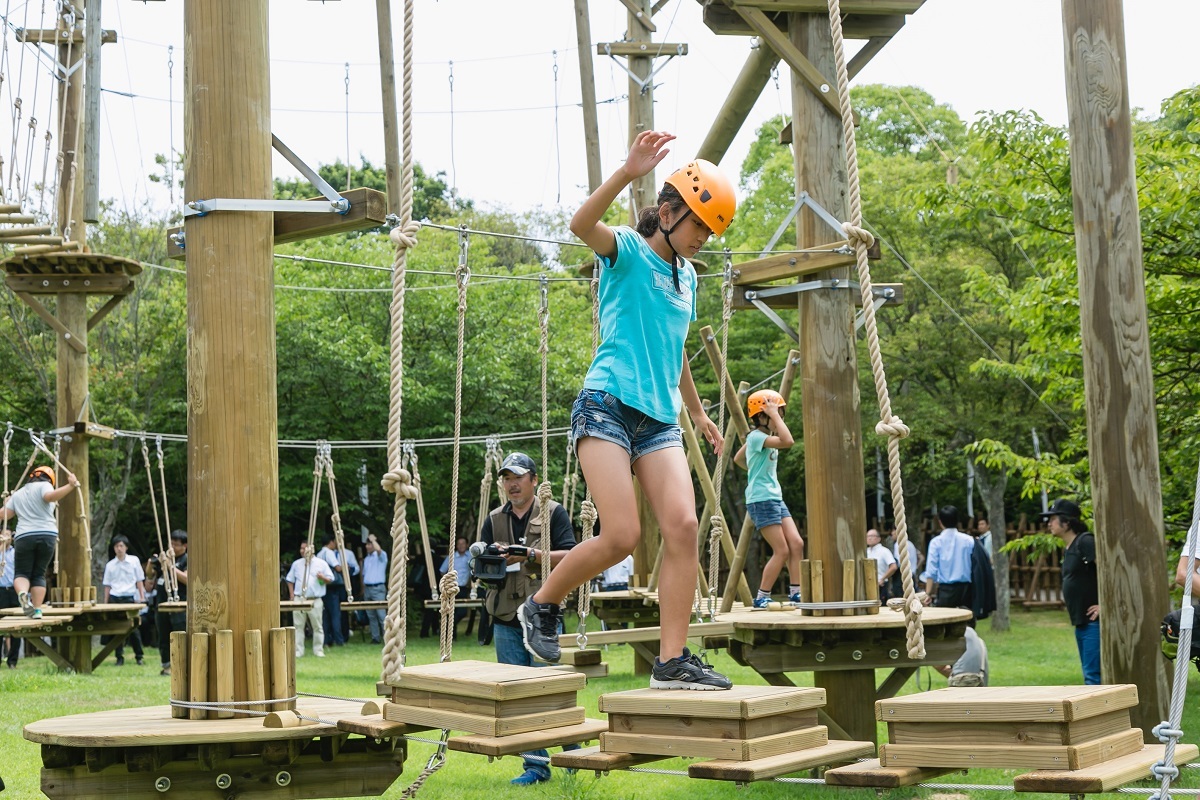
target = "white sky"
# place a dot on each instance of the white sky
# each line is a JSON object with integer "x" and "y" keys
{"x": 973, "y": 54}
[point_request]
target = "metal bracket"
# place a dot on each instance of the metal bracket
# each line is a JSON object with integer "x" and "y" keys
{"x": 802, "y": 200}
{"x": 754, "y": 296}
{"x": 644, "y": 84}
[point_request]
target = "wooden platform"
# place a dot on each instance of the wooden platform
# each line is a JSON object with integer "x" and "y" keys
{"x": 488, "y": 680}
{"x": 766, "y": 768}
{"x": 180, "y": 606}
{"x": 872, "y": 774}
{"x": 588, "y": 730}
{"x": 72, "y": 626}
{"x": 595, "y": 759}
{"x": 1008, "y": 703}
{"x": 1103, "y": 777}
{"x": 740, "y": 702}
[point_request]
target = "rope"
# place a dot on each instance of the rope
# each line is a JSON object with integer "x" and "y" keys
{"x": 4, "y": 540}
{"x": 408, "y": 460}
{"x": 889, "y": 425}
{"x": 1170, "y": 729}
{"x": 717, "y": 521}
{"x": 312, "y": 521}
{"x": 326, "y": 456}
{"x": 587, "y": 509}
{"x": 168, "y": 557}
{"x": 438, "y": 759}
{"x": 449, "y": 590}
{"x": 545, "y": 492}
{"x": 154, "y": 510}
{"x": 492, "y": 457}
{"x": 82, "y": 515}
{"x": 397, "y": 480}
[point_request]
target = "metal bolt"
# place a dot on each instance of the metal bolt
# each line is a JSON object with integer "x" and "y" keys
{"x": 163, "y": 784}
{"x": 45, "y": 283}
{"x": 66, "y": 282}
{"x": 90, "y": 627}
{"x": 819, "y": 656}
{"x": 856, "y": 655}
{"x": 87, "y": 283}
{"x": 893, "y": 653}
{"x": 224, "y": 781}
{"x": 968, "y": 712}
{"x": 283, "y": 778}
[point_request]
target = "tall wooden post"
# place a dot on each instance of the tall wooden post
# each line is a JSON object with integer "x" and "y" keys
{"x": 71, "y": 388}
{"x": 835, "y": 489}
{"x": 387, "y": 80}
{"x": 587, "y": 84}
{"x": 641, "y": 103}
{"x": 1118, "y": 383}
{"x": 233, "y": 498}
{"x": 742, "y": 96}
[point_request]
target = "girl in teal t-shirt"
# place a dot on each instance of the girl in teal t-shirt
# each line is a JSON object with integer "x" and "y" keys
{"x": 625, "y": 421}
{"x": 764, "y": 499}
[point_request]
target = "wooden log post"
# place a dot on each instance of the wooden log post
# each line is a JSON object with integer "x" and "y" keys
{"x": 277, "y": 644}
{"x": 179, "y": 672}
{"x": 197, "y": 673}
{"x": 222, "y": 657}
{"x": 256, "y": 676}
{"x": 387, "y": 82}
{"x": 233, "y": 497}
{"x": 742, "y": 96}
{"x": 1118, "y": 382}
{"x": 587, "y": 85}
{"x": 641, "y": 104}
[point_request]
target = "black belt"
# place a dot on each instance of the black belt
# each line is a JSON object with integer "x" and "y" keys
{"x": 372, "y": 584}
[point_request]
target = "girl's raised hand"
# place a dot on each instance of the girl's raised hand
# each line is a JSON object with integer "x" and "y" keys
{"x": 647, "y": 151}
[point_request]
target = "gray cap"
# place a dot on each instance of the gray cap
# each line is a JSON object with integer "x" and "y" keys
{"x": 518, "y": 464}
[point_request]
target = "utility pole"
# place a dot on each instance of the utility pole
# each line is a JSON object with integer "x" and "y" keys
{"x": 1118, "y": 381}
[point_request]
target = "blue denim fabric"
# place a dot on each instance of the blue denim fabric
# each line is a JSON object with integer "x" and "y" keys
{"x": 376, "y": 617}
{"x": 601, "y": 415}
{"x": 767, "y": 512}
{"x": 335, "y": 593}
{"x": 1087, "y": 638}
{"x": 510, "y": 649}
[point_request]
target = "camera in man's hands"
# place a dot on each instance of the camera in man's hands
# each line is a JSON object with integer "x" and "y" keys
{"x": 489, "y": 562}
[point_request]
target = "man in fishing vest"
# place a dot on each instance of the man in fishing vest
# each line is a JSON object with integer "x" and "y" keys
{"x": 518, "y": 522}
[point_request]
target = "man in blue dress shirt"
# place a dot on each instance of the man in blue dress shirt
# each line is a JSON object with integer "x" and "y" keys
{"x": 948, "y": 563}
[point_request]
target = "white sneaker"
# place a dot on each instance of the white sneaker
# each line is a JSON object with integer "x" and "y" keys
{"x": 319, "y": 655}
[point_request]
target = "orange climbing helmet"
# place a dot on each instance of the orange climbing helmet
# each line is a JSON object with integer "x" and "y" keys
{"x": 707, "y": 192}
{"x": 45, "y": 472}
{"x": 757, "y": 402}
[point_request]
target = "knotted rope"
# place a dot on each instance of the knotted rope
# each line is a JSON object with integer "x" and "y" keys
{"x": 717, "y": 521}
{"x": 397, "y": 480}
{"x": 335, "y": 517}
{"x": 587, "y": 509}
{"x": 168, "y": 559}
{"x": 889, "y": 425}
{"x": 449, "y": 590}
{"x": 545, "y": 491}
{"x": 167, "y": 574}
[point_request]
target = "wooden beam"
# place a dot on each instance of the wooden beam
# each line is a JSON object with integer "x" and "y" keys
{"x": 104, "y": 310}
{"x": 788, "y": 301}
{"x": 865, "y": 54}
{"x": 74, "y": 341}
{"x": 368, "y": 209}
{"x": 63, "y": 284}
{"x": 387, "y": 81}
{"x": 791, "y": 265}
{"x": 650, "y": 49}
{"x": 53, "y": 36}
{"x": 723, "y": 19}
{"x": 777, "y": 40}
{"x": 742, "y": 96}
{"x": 587, "y": 85}
{"x": 637, "y": 13}
{"x": 847, "y": 6}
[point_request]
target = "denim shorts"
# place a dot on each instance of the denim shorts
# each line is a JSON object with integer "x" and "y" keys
{"x": 602, "y": 416}
{"x": 767, "y": 512}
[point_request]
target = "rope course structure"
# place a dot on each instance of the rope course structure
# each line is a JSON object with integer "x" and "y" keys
{"x": 165, "y": 554}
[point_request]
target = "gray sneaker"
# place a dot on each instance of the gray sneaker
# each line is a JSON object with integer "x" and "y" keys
{"x": 27, "y": 606}
{"x": 539, "y": 629}
{"x": 687, "y": 671}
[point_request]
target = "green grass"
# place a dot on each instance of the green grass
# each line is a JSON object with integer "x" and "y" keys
{"x": 1040, "y": 649}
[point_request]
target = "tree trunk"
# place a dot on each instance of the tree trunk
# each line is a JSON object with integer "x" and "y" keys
{"x": 112, "y": 486}
{"x": 991, "y": 487}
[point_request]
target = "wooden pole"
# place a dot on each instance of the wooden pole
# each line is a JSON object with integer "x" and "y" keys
{"x": 641, "y": 105}
{"x": 587, "y": 83}
{"x": 834, "y": 489}
{"x": 387, "y": 80}
{"x": 179, "y": 672}
{"x": 71, "y": 388}
{"x": 1118, "y": 382}
{"x": 197, "y": 673}
{"x": 233, "y": 485}
{"x": 91, "y": 116}
{"x": 223, "y": 670}
{"x": 256, "y": 676}
{"x": 742, "y": 97}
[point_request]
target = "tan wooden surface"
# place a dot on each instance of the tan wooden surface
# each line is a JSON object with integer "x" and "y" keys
{"x": 1008, "y": 703}
{"x": 729, "y": 749}
{"x": 740, "y": 702}
{"x": 580, "y": 658}
{"x": 77, "y": 610}
{"x": 375, "y": 726}
{"x": 153, "y": 725}
{"x": 980, "y": 756}
{"x": 594, "y": 758}
{"x": 489, "y": 680}
{"x": 24, "y": 624}
{"x": 773, "y": 766}
{"x": 871, "y": 774}
{"x": 1014, "y": 733}
{"x": 588, "y": 730}
{"x": 484, "y": 725}
{"x": 1103, "y": 777}
{"x": 588, "y": 670}
{"x": 482, "y": 706}
{"x": 702, "y": 727}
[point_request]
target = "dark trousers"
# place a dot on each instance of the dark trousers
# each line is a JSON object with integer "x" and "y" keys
{"x": 166, "y": 623}
{"x": 335, "y": 593}
{"x": 134, "y": 637}
{"x": 8, "y": 599}
{"x": 955, "y": 595}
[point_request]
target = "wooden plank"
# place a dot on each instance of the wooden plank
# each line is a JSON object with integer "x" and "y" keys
{"x": 279, "y": 656}
{"x": 847, "y": 6}
{"x": 56, "y": 36}
{"x": 103, "y": 311}
{"x": 197, "y": 674}
{"x": 1014, "y": 733}
{"x": 649, "y": 634}
{"x": 256, "y": 677}
{"x": 489, "y": 680}
{"x": 589, "y": 671}
{"x": 849, "y": 586}
{"x": 588, "y": 730}
{"x": 982, "y": 755}
{"x": 375, "y": 726}
{"x": 870, "y": 583}
{"x": 179, "y": 672}
{"x": 788, "y": 301}
{"x": 594, "y": 758}
{"x": 481, "y": 724}
{"x": 760, "y": 769}
{"x": 871, "y": 774}
{"x": 824, "y": 88}
{"x": 739, "y": 702}
{"x": 488, "y": 708}
{"x": 637, "y": 13}
{"x": 636, "y": 49}
{"x": 1008, "y": 703}
{"x": 712, "y": 728}
{"x": 730, "y": 749}
{"x": 1103, "y": 777}
{"x": 580, "y": 658}
{"x": 66, "y": 335}
{"x": 50, "y": 653}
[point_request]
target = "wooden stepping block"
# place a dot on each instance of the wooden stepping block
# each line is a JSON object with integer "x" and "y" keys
{"x": 595, "y": 759}
{"x": 740, "y": 702}
{"x": 772, "y": 767}
{"x": 871, "y": 774}
{"x": 486, "y": 698}
{"x": 1103, "y": 777}
{"x": 729, "y": 749}
{"x": 586, "y": 731}
{"x": 587, "y": 670}
{"x": 375, "y": 726}
{"x": 1040, "y": 727}
{"x": 580, "y": 658}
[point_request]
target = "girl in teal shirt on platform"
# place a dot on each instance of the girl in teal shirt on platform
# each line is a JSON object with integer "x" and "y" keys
{"x": 764, "y": 497}
{"x": 625, "y": 421}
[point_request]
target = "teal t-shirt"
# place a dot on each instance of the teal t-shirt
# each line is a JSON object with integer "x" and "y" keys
{"x": 643, "y": 327}
{"x": 761, "y": 463}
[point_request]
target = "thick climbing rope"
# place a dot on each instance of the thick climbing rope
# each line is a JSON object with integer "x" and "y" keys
{"x": 544, "y": 491}
{"x": 335, "y": 518}
{"x": 167, "y": 575}
{"x": 587, "y": 509}
{"x": 397, "y": 480}
{"x": 1171, "y": 729}
{"x": 492, "y": 459}
{"x": 717, "y": 521}
{"x": 449, "y": 590}
{"x": 408, "y": 461}
{"x": 570, "y": 481}
{"x": 167, "y": 560}
{"x": 889, "y": 425}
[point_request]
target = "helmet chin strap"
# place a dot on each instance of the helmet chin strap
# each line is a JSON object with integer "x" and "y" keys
{"x": 674, "y": 254}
